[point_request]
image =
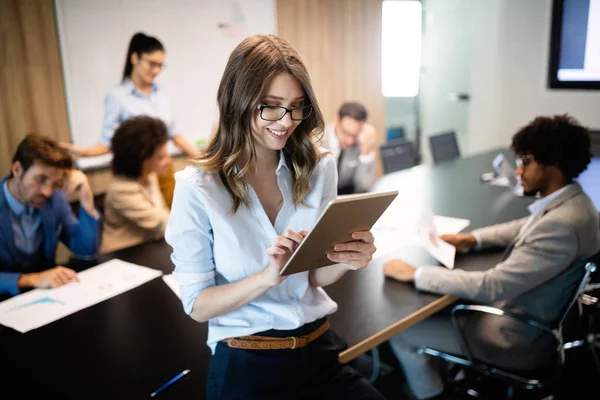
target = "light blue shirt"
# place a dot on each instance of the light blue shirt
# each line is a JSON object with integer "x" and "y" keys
{"x": 537, "y": 207}
{"x": 212, "y": 247}
{"x": 26, "y": 224}
{"x": 126, "y": 101}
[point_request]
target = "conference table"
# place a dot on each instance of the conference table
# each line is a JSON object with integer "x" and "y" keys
{"x": 129, "y": 345}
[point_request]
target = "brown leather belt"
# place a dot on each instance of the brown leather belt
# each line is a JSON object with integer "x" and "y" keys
{"x": 275, "y": 343}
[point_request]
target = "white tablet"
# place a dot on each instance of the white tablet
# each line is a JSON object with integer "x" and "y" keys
{"x": 341, "y": 217}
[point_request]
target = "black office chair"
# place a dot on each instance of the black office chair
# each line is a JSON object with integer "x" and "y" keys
{"x": 595, "y": 142}
{"x": 397, "y": 155}
{"x": 444, "y": 147}
{"x": 589, "y": 312}
{"x": 540, "y": 377}
{"x": 395, "y": 132}
{"x": 589, "y": 308}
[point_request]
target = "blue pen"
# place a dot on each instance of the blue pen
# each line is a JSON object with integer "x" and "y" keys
{"x": 163, "y": 387}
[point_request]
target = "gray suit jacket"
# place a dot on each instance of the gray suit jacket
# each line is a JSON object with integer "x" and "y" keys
{"x": 539, "y": 273}
{"x": 352, "y": 173}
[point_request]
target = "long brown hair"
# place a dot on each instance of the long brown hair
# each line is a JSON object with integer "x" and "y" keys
{"x": 250, "y": 70}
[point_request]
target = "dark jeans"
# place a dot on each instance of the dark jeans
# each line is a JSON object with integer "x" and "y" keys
{"x": 312, "y": 372}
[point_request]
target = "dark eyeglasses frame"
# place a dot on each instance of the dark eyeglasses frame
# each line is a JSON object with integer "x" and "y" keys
{"x": 154, "y": 64}
{"x": 261, "y": 107}
{"x": 523, "y": 161}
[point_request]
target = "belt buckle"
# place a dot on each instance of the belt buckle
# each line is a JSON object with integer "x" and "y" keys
{"x": 294, "y": 341}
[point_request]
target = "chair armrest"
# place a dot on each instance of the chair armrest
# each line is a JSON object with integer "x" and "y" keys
{"x": 460, "y": 308}
{"x": 592, "y": 286}
{"x": 463, "y": 309}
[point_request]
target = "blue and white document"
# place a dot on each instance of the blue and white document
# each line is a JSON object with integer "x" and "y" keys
{"x": 39, "y": 307}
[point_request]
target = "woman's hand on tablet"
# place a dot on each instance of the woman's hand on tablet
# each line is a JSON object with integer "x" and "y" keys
{"x": 285, "y": 245}
{"x": 357, "y": 253}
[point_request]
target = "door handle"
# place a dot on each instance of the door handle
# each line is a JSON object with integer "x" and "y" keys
{"x": 459, "y": 96}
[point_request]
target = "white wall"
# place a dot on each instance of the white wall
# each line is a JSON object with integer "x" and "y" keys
{"x": 94, "y": 35}
{"x": 400, "y": 111}
{"x": 509, "y": 74}
{"x": 446, "y": 67}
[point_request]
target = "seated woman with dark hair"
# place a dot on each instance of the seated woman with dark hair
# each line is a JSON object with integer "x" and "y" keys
{"x": 135, "y": 210}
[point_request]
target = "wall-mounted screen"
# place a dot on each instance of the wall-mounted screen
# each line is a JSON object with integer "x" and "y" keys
{"x": 575, "y": 45}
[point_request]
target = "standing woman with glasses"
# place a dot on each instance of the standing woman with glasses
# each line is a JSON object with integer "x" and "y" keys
{"x": 137, "y": 94}
{"x": 240, "y": 212}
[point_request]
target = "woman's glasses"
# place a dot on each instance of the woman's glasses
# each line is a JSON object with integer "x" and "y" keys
{"x": 154, "y": 64}
{"x": 275, "y": 113}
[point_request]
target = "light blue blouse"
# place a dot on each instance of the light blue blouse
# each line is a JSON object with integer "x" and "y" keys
{"x": 212, "y": 247}
{"x": 126, "y": 101}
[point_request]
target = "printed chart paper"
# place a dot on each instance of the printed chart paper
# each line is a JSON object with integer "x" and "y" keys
{"x": 39, "y": 307}
{"x": 440, "y": 250}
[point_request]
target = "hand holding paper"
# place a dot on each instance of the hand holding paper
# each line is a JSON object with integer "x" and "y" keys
{"x": 440, "y": 250}
{"x": 460, "y": 240}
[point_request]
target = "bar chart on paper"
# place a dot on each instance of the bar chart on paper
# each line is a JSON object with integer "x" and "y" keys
{"x": 39, "y": 307}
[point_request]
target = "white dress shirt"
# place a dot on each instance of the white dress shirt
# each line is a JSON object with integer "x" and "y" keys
{"x": 212, "y": 247}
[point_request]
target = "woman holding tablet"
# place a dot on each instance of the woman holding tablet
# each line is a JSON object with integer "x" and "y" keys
{"x": 138, "y": 94}
{"x": 237, "y": 216}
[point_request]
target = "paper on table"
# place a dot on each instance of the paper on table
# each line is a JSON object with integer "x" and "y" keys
{"x": 503, "y": 181}
{"x": 397, "y": 228}
{"x": 449, "y": 225}
{"x": 500, "y": 181}
{"x": 40, "y": 307}
{"x": 172, "y": 284}
{"x": 440, "y": 250}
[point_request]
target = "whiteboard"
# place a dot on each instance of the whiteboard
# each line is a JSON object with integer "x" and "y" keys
{"x": 198, "y": 36}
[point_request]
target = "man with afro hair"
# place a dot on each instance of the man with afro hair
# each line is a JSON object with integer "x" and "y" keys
{"x": 537, "y": 277}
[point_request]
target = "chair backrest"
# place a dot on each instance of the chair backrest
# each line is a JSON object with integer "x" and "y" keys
{"x": 395, "y": 132}
{"x": 595, "y": 142}
{"x": 398, "y": 155}
{"x": 444, "y": 147}
{"x": 547, "y": 336}
{"x": 590, "y": 268}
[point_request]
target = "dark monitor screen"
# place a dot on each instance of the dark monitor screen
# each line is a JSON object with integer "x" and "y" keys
{"x": 575, "y": 45}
